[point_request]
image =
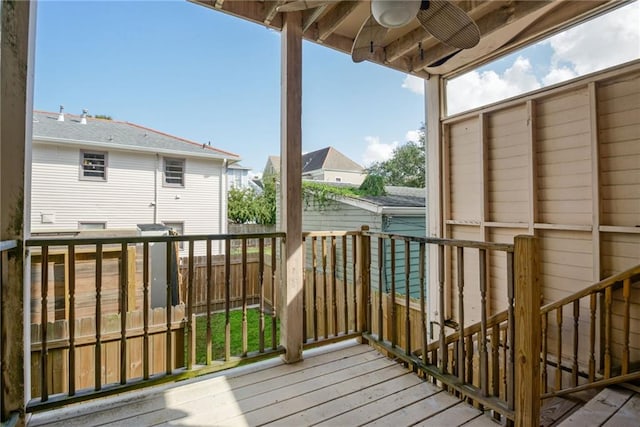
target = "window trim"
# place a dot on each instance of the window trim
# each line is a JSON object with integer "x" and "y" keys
{"x": 84, "y": 177}
{"x": 164, "y": 172}
{"x": 103, "y": 223}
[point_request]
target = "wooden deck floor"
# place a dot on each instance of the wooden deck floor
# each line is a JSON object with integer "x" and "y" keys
{"x": 342, "y": 385}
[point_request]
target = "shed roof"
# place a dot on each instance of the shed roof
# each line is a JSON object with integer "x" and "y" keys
{"x": 117, "y": 134}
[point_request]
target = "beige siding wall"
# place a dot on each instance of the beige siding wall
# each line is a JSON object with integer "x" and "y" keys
{"x": 563, "y": 164}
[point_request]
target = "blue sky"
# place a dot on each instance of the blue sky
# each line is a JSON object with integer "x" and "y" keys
{"x": 202, "y": 75}
{"x": 199, "y": 74}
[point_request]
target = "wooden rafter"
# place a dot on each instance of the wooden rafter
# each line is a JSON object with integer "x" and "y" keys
{"x": 333, "y": 19}
{"x": 218, "y": 4}
{"x": 309, "y": 17}
{"x": 272, "y": 10}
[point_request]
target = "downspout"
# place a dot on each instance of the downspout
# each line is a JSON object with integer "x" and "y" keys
{"x": 155, "y": 190}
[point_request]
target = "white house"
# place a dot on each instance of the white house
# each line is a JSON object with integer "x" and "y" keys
{"x": 105, "y": 174}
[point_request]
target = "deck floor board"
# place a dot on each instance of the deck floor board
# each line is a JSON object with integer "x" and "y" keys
{"x": 345, "y": 384}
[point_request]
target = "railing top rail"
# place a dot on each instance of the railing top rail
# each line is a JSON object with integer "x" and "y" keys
{"x": 596, "y": 287}
{"x": 56, "y": 241}
{"x": 330, "y": 233}
{"x": 5, "y": 245}
{"x": 505, "y": 247}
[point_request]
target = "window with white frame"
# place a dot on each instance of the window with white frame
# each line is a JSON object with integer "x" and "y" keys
{"x": 93, "y": 165}
{"x": 174, "y": 172}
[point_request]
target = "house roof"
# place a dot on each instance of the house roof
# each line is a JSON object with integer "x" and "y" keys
{"x": 275, "y": 163}
{"x": 118, "y": 134}
{"x": 504, "y": 26}
{"x": 328, "y": 158}
{"x": 396, "y": 201}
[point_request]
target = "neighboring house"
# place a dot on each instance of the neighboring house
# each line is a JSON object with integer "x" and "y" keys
{"x": 401, "y": 211}
{"x": 237, "y": 176}
{"x": 327, "y": 164}
{"x": 106, "y": 174}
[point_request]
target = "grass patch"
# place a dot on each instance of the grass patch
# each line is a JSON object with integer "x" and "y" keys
{"x": 217, "y": 334}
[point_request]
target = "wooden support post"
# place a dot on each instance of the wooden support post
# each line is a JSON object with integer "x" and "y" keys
{"x": 291, "y": 333}
{"x": 17, "y": 35}
{"x": 364, "y": 302}
{"x": 528, "y": 330}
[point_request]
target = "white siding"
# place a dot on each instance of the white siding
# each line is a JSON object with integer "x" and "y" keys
{"x": 126, "y": 198}
{"x": 122, "y": 201}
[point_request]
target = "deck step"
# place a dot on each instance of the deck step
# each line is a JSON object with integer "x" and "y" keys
{"x": 613, "y": 406}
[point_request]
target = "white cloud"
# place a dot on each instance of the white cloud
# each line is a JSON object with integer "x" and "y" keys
{"x": 412, "y": 135}
{"x": 414, "y": 84}
{"x": 557, "y": 75}
{"x": 608, "y": 40}
{"x": 474, "y": 89}
{"x": 376, "y": 151}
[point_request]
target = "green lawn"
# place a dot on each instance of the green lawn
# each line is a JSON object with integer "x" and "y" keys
{"x": 217, "y": 334}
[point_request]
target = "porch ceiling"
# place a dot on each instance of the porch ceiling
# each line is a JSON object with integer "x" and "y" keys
{"x": 504, "y": 26}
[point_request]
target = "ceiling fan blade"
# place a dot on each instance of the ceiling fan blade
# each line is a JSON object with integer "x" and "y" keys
{"x": 368, "y": 42}
{"x": 449, "y": 24}
{"x": 297, "y": 5}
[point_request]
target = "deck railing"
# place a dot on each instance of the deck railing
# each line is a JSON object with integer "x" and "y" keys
{"x": 128, "y": 339}
{"x": 6, "y": 247}
{"x": 474, "y": 360}
{"x": 591, "y": 358}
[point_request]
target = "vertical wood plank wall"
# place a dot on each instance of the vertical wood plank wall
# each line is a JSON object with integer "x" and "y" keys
{"x": 562, "y": 163}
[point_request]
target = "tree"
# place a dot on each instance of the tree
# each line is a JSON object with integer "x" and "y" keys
{"x": 246, "y": 206}
{"x": 406, "y": 167}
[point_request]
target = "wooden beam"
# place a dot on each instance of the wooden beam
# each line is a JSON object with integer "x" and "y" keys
{"x": 218, "y": 4}
{"x": 528, "y": 330}
{"x": 17, "y": 37}
{"x": 272, "y": 11}
{"x": 336, "y": 16}
{"x": 309, "y": 17}
{"x": 596, "y": 205}
{"x": 291, "y": 333}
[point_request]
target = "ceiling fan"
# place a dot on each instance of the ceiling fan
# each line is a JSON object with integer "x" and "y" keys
{"x": 441, "y": 18}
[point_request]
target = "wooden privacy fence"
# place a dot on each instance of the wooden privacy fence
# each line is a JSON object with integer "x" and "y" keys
{"x": 98, "y": 328}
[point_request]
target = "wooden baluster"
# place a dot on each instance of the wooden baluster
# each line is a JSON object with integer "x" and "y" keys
{"x": 576, "y": 327}
{"x": 443, "y": 348}
{"x": 484, "y": 362}
{"x": 191, "y": 351}
{"x": 261, "y": 284}
{"x": 245, "y": 337}
{"x": 469, "y": 355}
{"x": 407, "y": 289}
{"x": 380, "y": 290}
{"x": 423, "y": 310}
{"x": 461, "y": 347}
{"x": 44, "y": 323}
{"x": 334, "y": 290}
{"x": 626, "y": 294}
{"x": 511, "y": 332}
{"x": 304, "y": 290}
{"x": 314, "y": 255}
{"x": 98, "y": 320}
{"x": 227, "y": 300}
{"x": 495, "y": 361}
{"x": 545, "y": 350}
{"x": 124, "y": 279}
{"x": 608, "y": 300}
{"x": 145, "y": 309}
{"x": 392, "y": 307}
{"x": 209, "y": 293}
{"x": 365, "y": 287}
{"x": 505, "y": 355}
{"x": 354, "y": 261}
{"x": 168, "y": 306}
{"x": 344, "y": 284}
{"x": 71, "y": 274}
{"x": 325, "y": 288}
{"x": 274, "y": 312}
{"x": 559, "y": 319}
{"x": 593, "y": 305}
